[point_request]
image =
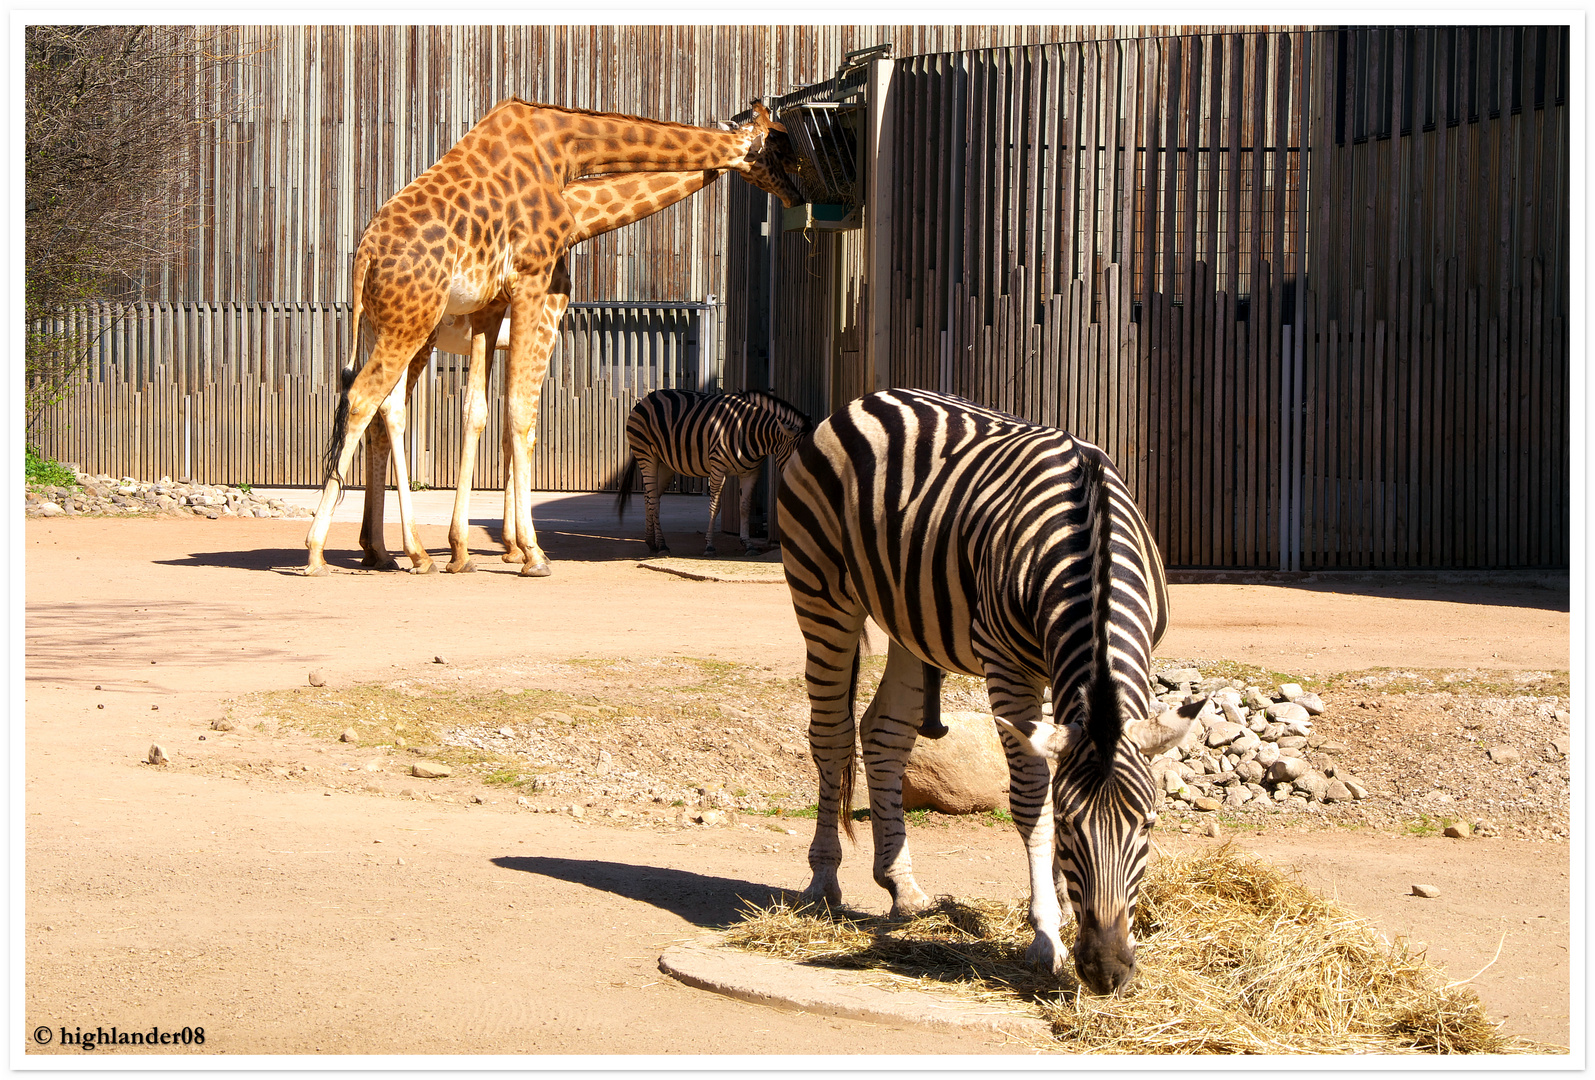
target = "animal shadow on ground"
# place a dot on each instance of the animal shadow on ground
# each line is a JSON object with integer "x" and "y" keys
{"x": 285, "y": 561}
{"x": 710, "y": 902}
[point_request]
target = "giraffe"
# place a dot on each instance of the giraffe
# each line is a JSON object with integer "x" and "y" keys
{"x": 490, "y": 219}
{"x": 598, "y": 205}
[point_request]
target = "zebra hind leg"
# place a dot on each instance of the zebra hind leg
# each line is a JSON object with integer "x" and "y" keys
{"x": 887, "y": 735}
{"x": 832, "y": 677}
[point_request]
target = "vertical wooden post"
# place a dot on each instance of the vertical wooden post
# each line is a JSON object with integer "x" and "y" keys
{"x": 880, "y": 135}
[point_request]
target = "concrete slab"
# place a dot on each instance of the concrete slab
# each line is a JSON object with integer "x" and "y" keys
{"x": 710, "y": 965}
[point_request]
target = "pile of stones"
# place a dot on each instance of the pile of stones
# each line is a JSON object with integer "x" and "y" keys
{"x": 1249, "y": 749}
{"x": 125, "y": 495}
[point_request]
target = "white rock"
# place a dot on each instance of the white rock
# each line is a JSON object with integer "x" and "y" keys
{"x": 1286, "y": 711}
{"x": 1287, "y": 769}
{"x": 1223, "y": 733}
{"x": 430, "y": 770}
{"x": 1428, "y": 891}
{"x": 1290, "y": 691}
{"x": 963, "y": 772}
{"x": 1312, "y": 703}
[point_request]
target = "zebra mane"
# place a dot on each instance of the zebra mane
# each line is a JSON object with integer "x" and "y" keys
{"x": 1104, "y": 714}
{"x": 788, "y": 414}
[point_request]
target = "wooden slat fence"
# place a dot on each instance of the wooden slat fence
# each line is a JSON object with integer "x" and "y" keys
{"x": 245, "y": 393}
{"x": 1308, "y": 288}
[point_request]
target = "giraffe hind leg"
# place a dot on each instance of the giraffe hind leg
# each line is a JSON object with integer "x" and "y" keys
{"x": 372, "y": 541}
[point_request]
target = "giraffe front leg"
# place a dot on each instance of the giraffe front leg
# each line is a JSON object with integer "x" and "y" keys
{"x": 535, "y": 310}
{"x": 1016, "y": 700}
{"x": 887, "y": 736}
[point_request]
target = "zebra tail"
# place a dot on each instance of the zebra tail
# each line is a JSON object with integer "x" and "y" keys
{"x": 628, "y": 478}
{"x": 847, "y": 773}
{"x": 1105, "y": 721}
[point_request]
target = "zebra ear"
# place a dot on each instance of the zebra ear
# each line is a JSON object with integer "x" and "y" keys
{"x": 1046, "y": 741}
{"x": 1155, "y": 734}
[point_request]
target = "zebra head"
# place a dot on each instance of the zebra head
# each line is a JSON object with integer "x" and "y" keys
{"x": 1104, "y": 806}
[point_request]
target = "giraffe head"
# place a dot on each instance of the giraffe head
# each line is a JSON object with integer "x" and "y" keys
{"x": 771, "y": 157}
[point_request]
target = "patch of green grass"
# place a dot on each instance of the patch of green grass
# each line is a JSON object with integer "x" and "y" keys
{"x": 246, "y": 488}
{"x": 40, "y": 471}
{"x": 1424, "y": 825}
{"x": 998, "y": 816}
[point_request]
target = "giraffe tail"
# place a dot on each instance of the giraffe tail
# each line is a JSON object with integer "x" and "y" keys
{"x": 340, "y": 418}
{"x": 628, "y": 480}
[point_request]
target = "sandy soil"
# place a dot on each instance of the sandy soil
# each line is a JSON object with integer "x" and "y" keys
{"x": 291, "y": 916}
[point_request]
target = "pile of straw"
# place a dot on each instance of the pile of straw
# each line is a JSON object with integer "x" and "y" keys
{"x": 1235, "y": 958}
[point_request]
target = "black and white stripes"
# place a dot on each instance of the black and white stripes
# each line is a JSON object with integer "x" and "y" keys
{"x": 710, "y": 435}
{"x": 985, "y": 545}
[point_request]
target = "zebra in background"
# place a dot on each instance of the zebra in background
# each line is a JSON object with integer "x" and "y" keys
{"x": 705, "y": 435}
{"x": 986, "y": 545}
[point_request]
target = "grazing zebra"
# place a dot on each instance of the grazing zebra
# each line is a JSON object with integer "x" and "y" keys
{"x": 713, "y": 435}
{"x": 986, "y": 545}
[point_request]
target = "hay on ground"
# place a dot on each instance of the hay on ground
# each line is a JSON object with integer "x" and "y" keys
{"x": 1234, "y": 958}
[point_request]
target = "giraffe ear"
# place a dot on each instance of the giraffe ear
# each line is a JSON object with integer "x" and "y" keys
{"x": 1046, "y": 741}
{"x": 1154, "y": 734}
{"x": 762, "y": 117}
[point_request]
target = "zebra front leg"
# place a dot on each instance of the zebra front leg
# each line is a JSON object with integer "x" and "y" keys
{"x": 887, "y": 736}
{"x": 1030, "y": 801}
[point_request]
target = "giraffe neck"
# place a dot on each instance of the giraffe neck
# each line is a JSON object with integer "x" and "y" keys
{"x": 579, "y": 143}
{"x": 604, "y": 203}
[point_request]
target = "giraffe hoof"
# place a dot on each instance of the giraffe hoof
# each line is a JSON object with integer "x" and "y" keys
{"x": 512, "y": 557}
{"x": 428, "y": 567}
{"x": 540, "y": 569}
{"x": 317, "y": 571}
{"x": 461, "y": 566}
{"x": 382, "y": 564}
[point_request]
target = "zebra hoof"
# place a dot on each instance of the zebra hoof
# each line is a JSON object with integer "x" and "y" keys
{"x": 709, "y": 552}
{"x": 933, "y": 731}
{"x": 541, "y": 569}
{"x": 1046, "y": 955}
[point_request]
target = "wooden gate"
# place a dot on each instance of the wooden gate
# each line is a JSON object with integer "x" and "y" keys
{"x": 245, "y": 393}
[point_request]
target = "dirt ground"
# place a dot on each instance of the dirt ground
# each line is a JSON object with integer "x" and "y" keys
{"x": 250, "y": 889}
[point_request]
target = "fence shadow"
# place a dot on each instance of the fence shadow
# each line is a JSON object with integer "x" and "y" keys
{"x": 701, "y": 899}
